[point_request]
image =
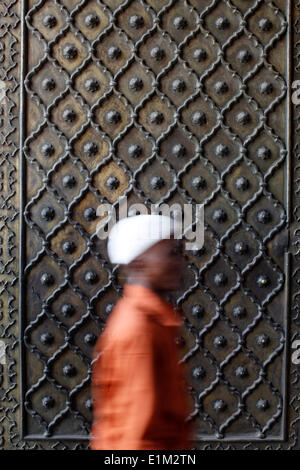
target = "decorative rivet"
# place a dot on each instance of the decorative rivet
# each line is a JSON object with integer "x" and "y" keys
{"x": 157, "y": 53}
{"x": 179, "y": 150}
{"x": 241, "y": 372}
{"x": 241, "y": 248}
{"x": 157, "y": 182}
{"x": 89, "y": 214}
{"x": 199, "y": 183}
{"x": 68, "y": 247}
{"x": 91, "y": 277}
{"x": 262, "y": 404}
{"x": 69, "y": 370}
{"x": 198, "y": 372}
{"x": 113, "y": 116}
{"x": 197, "y": 311}
{"x": 222, "y": 150}
{"x": 135, "y": 151}
{"x": 114, "y": 53}
{"x": 48, "y": 402}
{"x": 48, "y": 213}
{"x": 112, "y": 182}
{"x": 156, "y": 117}
{"x": 243, "y": 118}
{"x": 220, "y": 405}
{"x": 220, "y": 342}
{"x": 200, "y": 55}
{"x": 219, "y": 215}
{"x": 221, "y": 87}
{"x": 49, "y": 21}
{"x": 136, "y": 21}
{"x": 263, "y": 280}
{"x": 69, "y": 181}
{"x": 178, "y": 85}
{"x": 242, "y": 183}
{"x": 135, "y": 83}
{"x": 180, "y": 341}
{"x": 47, "y": 150}
{"x": 265, "y": 24}
{"x": 266, "y": 88}
{"x": 109, "y": 308}
{"x": 70, "y": 52}
{"x": 90, "y": 339}
{"x": 263, "y": 216}
{"x": 69, "y": 115}
{"x": 220, "y": 279}
{"x": 92, "y": 20}
{"x": 48, "y": 84}
{"x": 222, "y": 23}
{"x": 88, "y": 404}
{"x": 263, "y": 340}
{"x": 199, "y": 118}
{"x": 244, "y": 56}
{"x": 90, "y": 149}
{"x": 264, "y": 153}
{"x": 92, "y": 85}
{"x": 180, "y": 22}
{"x": 47, "y": 339}
{"x": 239, "y": 312}
{"x": 47, "y": 279}
{"x": 67, "y": 310}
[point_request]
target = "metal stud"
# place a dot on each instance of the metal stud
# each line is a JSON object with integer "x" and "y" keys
{"x": 49, "y": 21}
{"x": 239, "y": 312}
{"x": 219, "y": 406}
{"x": 90, "y": 339}
{"x": 67, "y": 310}
{"x": 241, "y": 248}
{"x": 90, "y": 149}
{"x": 68, "y": 247}
{"x": 241, "y": 372}
{"x": 48, "y": 84}
{"x": 263, "y": 340}
{"x": 199, "y": 118}
{"x": 244, "y": 56}
{"x": 263, "y": 280}
{"x": 47, "y": 150}
{"x": 156, "y": 117}
{"x": 88, "y": 404}
{"x": 47, "y": 339}
{"x": 197, "y": 311}
{"x": 179, "y": 150}
{"x": 180, "y": 22}
{"x": 220, "y": 279}
{"x": 69, "y": 181}
{"x": 136, "y": 22}
{"x": 157, "y": 182}
{"x": 47, "y": 279}
{"x": 264, "y": 153}
{"x": 265, "y": 24}
{"x": 262, "y": 404}
{"x": 113, "y": 116}
{"x": 114, "y": 52}
{"x": 48, "y": 213}
{"x": 89, "y": 214}
{"x": 198, "y": 372}
{"x": 263, "y": 216}
{"x": 135, "y": 151}
{"x": 242, "y": 183}
{"x": 112, "y": 182}
{"x": 48, "y": 402}
{"x": 109, "y": 308}
{"x": 220, "y": 216}
{"x": 69, "y": 370}
{"x": 91, "y": 277}
{"x": 222, "y": 23}
{"x": 266, "y": 88}
{"x": 199, "y": 183}
{"x": 135, "y": 83}
{"x": 222, "y": 150}
{"x": 200, "y": 55}
{"x": 70, "y": 52}
{"x": 243, "y": 118}
{"x": 220, "y": 342}
{"x": 221, "y": 88}
{"x": 157, "y": 53}
{"x": 178, "y": 85}
{"x": 69, "y": 115}
{"x": 92, "y": 20}
{"x": 92, "y": 85}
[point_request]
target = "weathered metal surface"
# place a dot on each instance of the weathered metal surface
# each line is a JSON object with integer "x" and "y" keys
{"x": 163, "y": 102}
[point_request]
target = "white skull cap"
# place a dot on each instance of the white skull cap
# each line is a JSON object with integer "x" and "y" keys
{"x": 133, "y": 235}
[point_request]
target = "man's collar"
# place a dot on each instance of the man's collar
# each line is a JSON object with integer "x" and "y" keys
{"x": 149, "y": 301}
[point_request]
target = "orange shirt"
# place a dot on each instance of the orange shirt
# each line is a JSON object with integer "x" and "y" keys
{"x": 140, "y": 400}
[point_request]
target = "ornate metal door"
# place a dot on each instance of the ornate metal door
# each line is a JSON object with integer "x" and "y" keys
{"x": 163, "y": 101}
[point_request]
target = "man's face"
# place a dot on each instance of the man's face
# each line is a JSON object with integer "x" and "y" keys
{"x": 163, "y": 264}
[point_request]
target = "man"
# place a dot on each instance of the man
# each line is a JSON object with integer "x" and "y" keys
{"x": 139, "y": 397}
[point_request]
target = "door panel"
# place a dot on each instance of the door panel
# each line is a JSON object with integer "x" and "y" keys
{"x": 162, "y": 102}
